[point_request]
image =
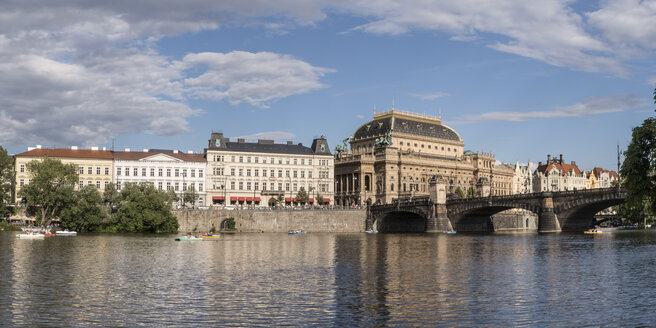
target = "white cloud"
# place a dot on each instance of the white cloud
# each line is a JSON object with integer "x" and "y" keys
{"x": 255, "y": 78}
{"x": 630, "y": 25}
{"x": 278, "y": 136}
{"x": 430, "y": 96}
{"x": 592, "y": 106}
{"x": 652, "y": 81}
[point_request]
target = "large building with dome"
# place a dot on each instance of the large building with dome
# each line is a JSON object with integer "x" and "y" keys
{"x": 396, "y": 154}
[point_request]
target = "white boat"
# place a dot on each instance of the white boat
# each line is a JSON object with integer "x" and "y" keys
{"x": 66, "y": 233}
{"x": 30, "y": 236}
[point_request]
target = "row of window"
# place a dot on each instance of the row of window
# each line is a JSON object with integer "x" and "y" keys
{"x": 160, "y": 172}
{"x": 272, "y": 186}
{"x": 219, "y": 171}
{"x": 272, "y": 160}
{"x": 170, "y": 186}
{"x": 90, "y": 170}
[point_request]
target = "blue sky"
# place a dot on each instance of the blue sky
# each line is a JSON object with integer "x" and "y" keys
{"x": 520, "y": 79}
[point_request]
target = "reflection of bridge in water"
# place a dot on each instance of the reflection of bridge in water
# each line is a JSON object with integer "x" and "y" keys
{"x": 556, "y": 211}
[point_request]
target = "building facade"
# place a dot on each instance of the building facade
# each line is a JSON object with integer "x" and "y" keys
{"x": 604, "y": 178}
{"x": 522, "y": 179}
{"x": 164, "y": 169}
{"x": 556, "y": 175}
{"x": 397, "y": 153}
{"x": 265, "y": 173}
{"x": 95, "y": 166}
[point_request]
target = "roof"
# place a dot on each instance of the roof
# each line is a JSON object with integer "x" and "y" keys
{"x": 65, "y": 152}
{"x": 597, "y": 171}
{"x": 137, "y": 155}
{"x": 253, "y": 147}
{"x": 406, "y": 123}
{"x": 563, "y": 168}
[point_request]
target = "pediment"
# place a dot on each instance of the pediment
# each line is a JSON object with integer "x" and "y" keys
{"x": 161, "y": 158}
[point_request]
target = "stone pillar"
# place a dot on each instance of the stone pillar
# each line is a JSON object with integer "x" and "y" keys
{"x": 438, "y": 221}
{"x": 547, "y": 220}
{"x": 483, "y": 187}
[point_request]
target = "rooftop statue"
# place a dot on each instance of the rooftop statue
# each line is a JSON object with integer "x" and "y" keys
{"x": 343, "y": 147}
{"x": 385, "y": 140}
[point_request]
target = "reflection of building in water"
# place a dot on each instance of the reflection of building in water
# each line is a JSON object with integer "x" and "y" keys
{"x": 396, "y": 154}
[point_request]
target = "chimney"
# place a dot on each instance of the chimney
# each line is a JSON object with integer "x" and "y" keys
{"x": 127, "y": 150}
{"x": 38, "y": 146}
{"x": 145, "y": 150}
{"x": 175, "y": 151}
{"x": 190, "y": 151}
{"x": 574, "y": 163}
{"x": 241, "y": 140}
{"x": 94, "y": 148}
{"x": 548, "y": 159}
{"x": 290, "y": 143}
{"x": 104, "y": 148}
{"x": 300, "y": 144}
{"x": 561, "y": 159}
{"x": 73, "y": 147}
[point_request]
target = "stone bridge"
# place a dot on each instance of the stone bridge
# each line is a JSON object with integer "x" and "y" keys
{"x": 556, "y": 211}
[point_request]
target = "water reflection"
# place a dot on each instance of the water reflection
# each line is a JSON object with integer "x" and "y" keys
{"x": 330, "y": 280}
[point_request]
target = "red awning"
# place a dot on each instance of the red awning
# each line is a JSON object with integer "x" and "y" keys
{"x": 241, "y": 199}
{"x": 218, "y": 198}
{"x": 294, "y": 199}
{"x": 287, "y": 199}
{"x": 311, "y": 200}
{"x": 234, "y": 199}
{"x": 257, "y": 199}
{"x": 249, "y": 199}
{"x": 326, "y": 200}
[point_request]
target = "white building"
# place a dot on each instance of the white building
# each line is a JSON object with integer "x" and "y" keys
{"x": 555, "y": 175}
{"x": 605, "y": 179}
{"x": 523, "y": 179}
{"x": 260, "y": 173}
{"x": 165, "y": 169}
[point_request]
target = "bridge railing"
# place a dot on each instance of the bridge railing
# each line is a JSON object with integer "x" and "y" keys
{"x": 534, "y": 195}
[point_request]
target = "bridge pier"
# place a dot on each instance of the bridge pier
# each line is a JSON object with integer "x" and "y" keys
{"x": 438, "y": 221}
{"x": 548, "y": 220}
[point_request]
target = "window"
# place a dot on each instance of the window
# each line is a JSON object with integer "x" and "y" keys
{"x": 279, "y": 160}
{"x": 160, "y": 172}
{"x": 279, "y": 186}
{"x": 287, "y": 161}
{"x": 257, "y": 186}
{"x": 264, "y": 172}
{"x": 168, "y": 172}
{"x": 152, "y": 172}
{"x": 273, "y": 173}
{"x": 257, "y": 172}
{"x": 302, "y": 174}
{"x": 168, "y": 186}
{"x": 248, "y": 172}
{"x": 241, "y": 159}
{"x": 232, "y": 185}
{"x": 241, "y": 185}
{"x": 90, "y": 170}
{"x": 81, "y": 184}
{"x": 294, "y": 161}
{"x": 106, "y": 184}
{"x": 81, "y": 169}
{"x": 248, "y": 159}
{"x": 295, "y": 186}
{"x": 136, "y": 172}
{"x": 287, "y": 186}
{"x": 22, "y": 168}
{"x": 232, "y": 159}
{"x": 241, "y": 172}
{"x": 280, "y": 173}
{"x": 248, "y": 186}
{"x": 160, "y": 185}
{"x": 90, "y": 183}
{"x": 302, "y": 161}
{"x": 287, "y": 173}
{"x": 98, "y": 184}
{"x": 295, "y": 174}
{"x": 310, "y": 174}
{"x": 200, "y": 173}
{"x": 193, "y": 173}
{"x": 309, "y": 162}
{"x": 118, "y": 171}
{"x": 106, "y": 171}
{"x": 232, "y": 171}
{"x": 177, "y": 186}
{"x": 257, "y": 159}
{"x": 118, "y": 185}
{"x": 184, "y": 186}
{"x": 177, "y": 172}
{"x": 200, "y": 187}
{"x": 184, "y": 172}
{"x": 98, "y": 170}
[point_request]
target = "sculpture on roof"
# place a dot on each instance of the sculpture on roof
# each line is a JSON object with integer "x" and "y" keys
{"x": 385, "y": 140}
{"x": 343, "y": 147}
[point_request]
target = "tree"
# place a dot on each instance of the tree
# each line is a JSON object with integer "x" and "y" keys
{"x": 144, "y": 209}
{"x": 280, "y": 198}
{"x": 86, "y": 213}
{"x": 319, "y": 198}
{"x": 302, "y": 196}
{"x": 460, "y": 193}
{"x": 51, "y": 188}
{"x": 6, "y": 180}
{"x": 171, "y": 197}
{"x": 639, "y": 168}
{"x": 110, "y": 197}
{"x": 471, "y": 193}
{"x": 190, "y": 195}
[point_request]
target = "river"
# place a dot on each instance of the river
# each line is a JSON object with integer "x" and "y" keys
{"x": 323, "y": 279}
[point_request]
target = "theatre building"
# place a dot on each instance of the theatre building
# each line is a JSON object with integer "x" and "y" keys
{"x": 265, "y": 173}
{"x": 396, "y": 154}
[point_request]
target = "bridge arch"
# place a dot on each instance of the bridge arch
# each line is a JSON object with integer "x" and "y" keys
{"x": 402, "y": 221}
{"x": 479, "y": 217}
{"x": 578, "y": 215}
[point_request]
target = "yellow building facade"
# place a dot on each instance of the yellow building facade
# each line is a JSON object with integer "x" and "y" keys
{"x": 396, "y": 154}
{"x": 95, "y": 167}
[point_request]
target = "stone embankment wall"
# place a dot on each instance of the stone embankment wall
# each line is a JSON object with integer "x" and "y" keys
{"x": 273, "y": 221}
{"x": 515, "y": 220}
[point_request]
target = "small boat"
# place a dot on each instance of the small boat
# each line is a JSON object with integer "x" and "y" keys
{"x": 592, "y": 231}
{"x": 66, "y": 233}
{"x": 294, "y": 232}
{"x": 450, "y": 232}
{"x": 186, "y": 238}
{"x": 48, "y": 234}
{"x": 371, "y": 231}
{"x": 209, "y": 236}
{"x": 30, "y": 236}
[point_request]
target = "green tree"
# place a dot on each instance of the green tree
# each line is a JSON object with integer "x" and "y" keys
{"x": 87, "y": 211}
{"x": 110, "y": 197}
{"x": 190, "y": 195}
{"x": 471, "y": 193}
{"x": 171, "y": 197}
{"x": 639, "y": 168}
{"x": 144, "y": 209}
{"x": 51, "y": 188}
{"x": 280, "y": 199}
{"x": 460, "y": 193}
{"x": 319, "y": 199}
{"x": 302, "y": 196}
{"x": 7, "y": 178}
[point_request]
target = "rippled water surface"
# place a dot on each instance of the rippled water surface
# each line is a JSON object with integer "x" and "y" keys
{"x": 330, "y": 280}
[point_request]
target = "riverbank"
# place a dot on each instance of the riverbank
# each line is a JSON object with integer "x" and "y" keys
{"x": 273, "y": 220}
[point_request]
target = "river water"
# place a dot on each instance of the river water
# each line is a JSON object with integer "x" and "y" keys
{"x": 330, "y": 280}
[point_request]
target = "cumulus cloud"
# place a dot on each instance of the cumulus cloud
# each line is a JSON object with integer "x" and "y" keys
{"x": 74, "y": 73}
{"x": 278, "y": 136}
{"x": 592, "y": 106}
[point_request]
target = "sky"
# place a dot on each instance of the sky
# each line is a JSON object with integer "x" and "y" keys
{"x": 520, "y": 79}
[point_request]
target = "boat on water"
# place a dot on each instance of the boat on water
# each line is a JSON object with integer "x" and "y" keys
{"x": 371, "y": 231}
{"x": 30, "y": 236}
{"x": 209, "y": 236}
{"x": 66, "y": 233}
{"x": 187, "y": 238}
{"x": 592, "y": 231}
{"x": 296, "y": 232}
{"x": 450, "y": 232}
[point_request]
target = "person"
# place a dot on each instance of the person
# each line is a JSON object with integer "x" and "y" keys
{"x": 189, "y": 235}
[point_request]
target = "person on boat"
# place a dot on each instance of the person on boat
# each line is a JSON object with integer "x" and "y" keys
{"x": 189, "y": 235}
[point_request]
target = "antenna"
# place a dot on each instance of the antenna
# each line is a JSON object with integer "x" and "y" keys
{"x": 618, "y": 158}
{"x": 392, "y": 103}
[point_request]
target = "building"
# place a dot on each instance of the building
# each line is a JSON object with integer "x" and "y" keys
{"x": 95, "y": 166}
{"x": 268, "y": 173}
{"x": 604, "y": 178}
{"x": 591, "y": 181}
{"x": 164, "y": 169}
{"x": 522, "y": 179}
{"x": 397, "y": 153}
{"x": 556, "y": 175}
